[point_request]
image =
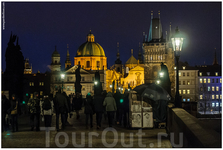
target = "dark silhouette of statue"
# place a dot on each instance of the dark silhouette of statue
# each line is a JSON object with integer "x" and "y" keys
{"x": 165, "y": 80}
{"x": 78, "y": 85}
{"x": 97, "y": 84}
{"x": 13, "y": 76}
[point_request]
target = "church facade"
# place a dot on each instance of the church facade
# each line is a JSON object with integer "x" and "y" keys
{"x": 91, "y": 57}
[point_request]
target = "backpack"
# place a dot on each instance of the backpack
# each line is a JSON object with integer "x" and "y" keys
{"x": 46, "y": 104}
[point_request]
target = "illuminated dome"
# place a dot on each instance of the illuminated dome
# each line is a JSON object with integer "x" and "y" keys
{"x": 90, "y": 48}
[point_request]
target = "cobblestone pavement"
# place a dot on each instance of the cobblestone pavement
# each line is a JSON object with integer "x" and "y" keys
{"x": 77, "y": 135}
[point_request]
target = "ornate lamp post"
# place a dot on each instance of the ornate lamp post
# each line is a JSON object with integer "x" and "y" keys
{"x": 177, "y": 42}
{"x": 62, "y": 78}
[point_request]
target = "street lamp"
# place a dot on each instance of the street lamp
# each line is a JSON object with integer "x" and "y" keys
{"x": 177, "y": 42}
{"x": 110, "y": 86}
{"x": 161, "y": 74}
{"x": 62, "y": 78}
{"x": 95, "y": 82}
{"x": 158, "y": 81}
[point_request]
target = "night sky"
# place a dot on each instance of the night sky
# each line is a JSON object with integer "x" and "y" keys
{"x": 40, "y": 26}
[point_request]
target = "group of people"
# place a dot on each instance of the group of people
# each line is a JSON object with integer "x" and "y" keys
{"x": 99, "y": 104}
{"x": 111, "y": 104}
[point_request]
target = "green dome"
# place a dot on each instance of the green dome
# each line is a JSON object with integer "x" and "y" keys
{"x": 90, "y": 48}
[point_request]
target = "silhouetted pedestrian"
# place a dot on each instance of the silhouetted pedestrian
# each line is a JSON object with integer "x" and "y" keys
{"x": 14, "y": 110}
{"x": 88, "y": 110}
{"x": 110, "y": 104}
{"x": 68, "y": 110}
{"x": 61, "y": 107}
{"x": 98, "y": 107}
{"x": 117, "y": 97}
{"x": 77, "y": 103}
{"x": 5, "y": 107}
{"x": 34, "y": 108}
{"x": 47, "y": 110}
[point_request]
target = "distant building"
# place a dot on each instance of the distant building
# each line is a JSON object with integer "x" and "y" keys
{"x": 210, "y": 87}
{"x": 188, "y": 82}
{"x": 91, "y": 57}
{"x": 27, "y": 68}
{"x": 157, "y": 50}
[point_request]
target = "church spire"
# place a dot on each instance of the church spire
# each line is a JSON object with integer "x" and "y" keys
{"x": 68, "y": 62}
{"x": 140, "y": 55}
{"x": 215, "y": 62}
{"x": 170, "y": 33}
{"x": 131, "y": 51}
{"x": 118, "y": 54}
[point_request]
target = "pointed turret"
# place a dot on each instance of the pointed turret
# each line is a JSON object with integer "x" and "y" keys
{"x": 215, "y": 62}
{"x": 140, "y": 55}
{"x": 118, "y": 61}
{"x": 68, "y": 62}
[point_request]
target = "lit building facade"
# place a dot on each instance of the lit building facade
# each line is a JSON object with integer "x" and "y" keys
{"x": 91, "y": 57}
{"x": 210, "y": 88}
{"x": 188, "y": 82}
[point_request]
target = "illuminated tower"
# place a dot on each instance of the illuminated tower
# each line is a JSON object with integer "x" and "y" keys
{"x": 55, "y": 64}
{"x": 27, "y": 68}
{"x": 68, "y": 62}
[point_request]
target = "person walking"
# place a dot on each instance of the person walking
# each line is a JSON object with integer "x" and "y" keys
{"x": 61, "y": 107}
{"x": 77, "y": 103}
{"x": 5, "y": 107}
{"x": 47, "y": 110}
{"x": 126, "y": 109}
{"x": 34, "y": 108}
{"x": 110, "y": 105}
{"x": 98, "y": 107}
{"x": 68, "y": 110}
{"x": 88, "y": 110}
{"x": 14, "y": 110}
{"x": 117, "y": 97}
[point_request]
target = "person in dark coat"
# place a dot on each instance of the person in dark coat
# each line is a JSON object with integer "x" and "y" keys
{"x": 126, "y": 108}
{"x": 77, "y": 103}
{"x": 5, "y": 107}
{"x": 68, "y": 111}
{"x": 34, "y": 108}
{"x": 61, "y": 107}
{"x": 47, "y": 110}
{"x": 14, "y": 110}
{"x": 117, "y": 97}
{"x": 104, "y": 93}
{"x": 98, "y": 107}
{"x": 110, "y": 105}
{"x": 88, "y": 109}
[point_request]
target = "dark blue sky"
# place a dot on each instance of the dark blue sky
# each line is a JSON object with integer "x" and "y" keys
{"x": 41, "y": 26}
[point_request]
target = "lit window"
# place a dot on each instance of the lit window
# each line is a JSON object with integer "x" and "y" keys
{"x": 220, "y": 97}
{"x": 188, "y": 91}
{"x": 188, "y": 74}
{"x": 209, "y": 88}
{"x": 188, "y": 82}
{"x": 208, "y": 73}
{"x": 216, "y": 104}
{"x": 217, "y": 96}
{"x": 31, "y": 96}
{"x": 217, "y": 88}
{"x": 216, "y": 73}
{"x": 220, "y": 104}
{"x": 184, "y": 99}
{"x": 41, "y": 93}
{"x": 30, "y": 83}
{"x": 40, "y": 83}
{"x": 183, "y": 74}
{"x": 212, "y": 88}
{"x": 201, "y": 96}
{"x": 188, "y": 99}
{"x": 213, "y": 104}
{"x": 205, "y": 80}
{"x": 184, "y": 91}
{"x": 220, "y": 80}
{"x": 201, "y": 80}
{"x": 179, "y": 91}
{"x": 179, "y": 74}
{"x": 209, "y": 80}
{"x": 200, "y": 73}
{"x": 212, "y": 96}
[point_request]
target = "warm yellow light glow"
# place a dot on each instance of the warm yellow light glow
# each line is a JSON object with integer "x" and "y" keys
{"x": 62, "y": 76}
{"x": 161, "y": 74}
{"x": 95, "y": 82}
{"x": 110, "y": 86}
{"x": 158, "y": 81}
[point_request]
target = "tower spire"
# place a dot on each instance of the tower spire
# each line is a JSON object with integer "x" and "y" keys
{"x": 131, "y": 51}
{"x": 170, "y": 33}
{"x": 140, "y": 54}
{"x": 159, "y": 14}
{"x": 118, "y": 54}
{"x": 215, "y": 62}
{"x": 151, "y": 14}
